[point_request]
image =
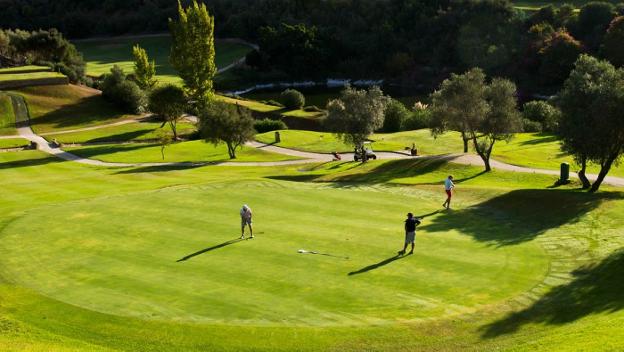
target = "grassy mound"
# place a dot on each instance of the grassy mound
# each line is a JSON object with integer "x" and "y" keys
{"x": 13, "y": 142}
{"x": 134, "y": 131}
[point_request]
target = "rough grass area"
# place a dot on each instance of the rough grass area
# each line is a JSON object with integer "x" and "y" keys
{"x": 135, "y": 131}
{"x": 102, "y": 54}
{"x": 67, "y": 107}
{"x": 13, "y": 143}
{"x": 194, "y": 151}
{"x": 7, "y": 117}
{"x": 144, "y": 259}
{"x": 266, "y": 108}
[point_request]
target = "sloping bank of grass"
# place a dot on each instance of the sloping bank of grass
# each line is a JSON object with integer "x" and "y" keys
{"x": 103, "y": 285}
{"x": 193, "y": 151}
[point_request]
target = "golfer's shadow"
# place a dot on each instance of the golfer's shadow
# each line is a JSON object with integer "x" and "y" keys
{"x": 224, "y": 244}
{"x": 377, "y": 265}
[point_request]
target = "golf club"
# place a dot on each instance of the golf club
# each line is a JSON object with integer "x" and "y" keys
{"x": 303, "y": 251}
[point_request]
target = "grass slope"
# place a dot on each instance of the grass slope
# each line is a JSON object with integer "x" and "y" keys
{"x": 101, "y": 55}
{"x": 13, "y": 143}
{"x": 24, "y": 69}
{"x": 193, "y": 151}
{"x": 66, "y": 107}
{"x": 163, "y": 215}
{"x": 135, "y": 131}
{"x": 7, "y": 117}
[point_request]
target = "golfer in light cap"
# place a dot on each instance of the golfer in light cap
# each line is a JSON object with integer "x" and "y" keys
{"x": 245, "y": 214}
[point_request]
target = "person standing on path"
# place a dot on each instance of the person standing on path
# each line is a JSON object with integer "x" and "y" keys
{"x": 245, "y": 214}
{"x": 448, "y": 187}
{"x": 410, "y": 232}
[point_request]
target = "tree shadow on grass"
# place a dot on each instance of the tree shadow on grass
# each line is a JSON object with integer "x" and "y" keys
{"x": 121, "y": 137}
{"x": 89, "y": 152}
{"x": 520, "y": 215}
{"x": 161, "y": 168}
{"x": 85, "y": 111}
{"x": 376, "y": 265}
{"x": 547, "y": 138}
{"x": 30, "y": 162}
{"x": 205, "y": 250}
{"x": 595, "y": 289}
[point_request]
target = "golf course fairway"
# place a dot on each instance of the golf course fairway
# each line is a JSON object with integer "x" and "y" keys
{"x": 174, "y": 255}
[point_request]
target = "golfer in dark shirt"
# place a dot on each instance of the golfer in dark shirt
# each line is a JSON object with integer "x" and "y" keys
{"x": 410, "y": 232}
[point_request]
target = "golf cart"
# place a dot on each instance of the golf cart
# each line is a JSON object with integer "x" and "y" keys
{"x": 366, "y": 150}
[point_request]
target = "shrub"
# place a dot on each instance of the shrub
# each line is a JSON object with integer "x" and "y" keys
{"x": 543, "y": 113}
{"x": 123, "y": 92}
{"x": 395, "y": 115}
{"x": 273, "y": 103}
{"x": 268, "y": 125}
{"x": 531, "y": 126}
{"x": 418, "y": 119}
{"x": 292, "y": 99}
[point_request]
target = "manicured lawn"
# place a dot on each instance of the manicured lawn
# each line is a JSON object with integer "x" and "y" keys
{"x": 89, "y": 260}
{"x": 193, "y": 151}
{"x": 13, "y": 142}
{"x": 101, "y": 55}
{"x": 262, "y": 107}
{"x": 66, "y": 107}
{"x": 7, "y": 118}
{"x": 29, "y": 76}
{"x": 135, "y": 131}
{"x": 23, "y": 69}
{"x": 325, "y": 142}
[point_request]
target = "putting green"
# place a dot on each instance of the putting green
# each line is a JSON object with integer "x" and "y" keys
{"x": 171, "y": 255}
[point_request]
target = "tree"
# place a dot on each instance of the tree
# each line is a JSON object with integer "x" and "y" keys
{"x": 192, "y": 50}
{"x": 484, "y": 113}
{"x": 593, "y": 20}
{"x": 124, "y": 93}
{"x": 168, "y": 101}
{"x": 395, "y": 116}
{"x": 592, "y": 128}
{"x": 613, "y": 46}
{"x": 232, "y": 124}
{"x": 543, "y": 113}
{"x": 459, "y": 104}
{"x": 144, "y": 70}
{"x": 356, "y": 114}
{"x": 558, "y": 55}
{"x": 292, "y": 99}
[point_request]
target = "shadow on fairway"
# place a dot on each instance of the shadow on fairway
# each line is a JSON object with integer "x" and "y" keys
{"x": 224, "y": 244}
{"x": 519, "y": 216}
{"x": 595, "y": 289}
{"x": 31, "y": 162}
{"x": 161, "y": 168}
{"x": 377, "y": 265}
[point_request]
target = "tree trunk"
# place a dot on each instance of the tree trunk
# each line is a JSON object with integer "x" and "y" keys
{"x": 231, "y": 150}
{"x": 465, "y": 139}
{"x": 162, "y": 152}
{"x": 581, "y": 174}
{"x": 172, "y": 123}
{"x": 604, "y": 170}
{"x": 484, "y": 154}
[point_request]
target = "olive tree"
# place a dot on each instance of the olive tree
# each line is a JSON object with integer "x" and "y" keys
{"x": 592, "y": 127}
{"x": 484, "y": 113}
{"x": 231, "y": 124}
{"x": 169, "y": 102}
{"x": 356, "y": 114}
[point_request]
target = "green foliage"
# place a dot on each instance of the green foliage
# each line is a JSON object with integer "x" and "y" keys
{"x": 164, "y": 139}
{"x": 398, "y": 64}
{"x": 356, "y": 114}
{"x": 123, "y": 92}
{"x": 593, "y": 20}
{"x": 558, "y": 55}
{"x": 144, "y": 70}
{"x": 484, "y": 113}
{"x": 292, "y": 99}
{"x": 531, "y": 126}
{"x": 419, "y": 118}
{"x": 192, "y": 50}
{"x": 592, "y": 128}
{"x": 613, "y": 46}
{"x": 223, "y": 122}
{"x": 169, "y": 102}
{"x": 546, "y": 115}
{"x": 268, "y": 125}
{"x": 395, "y": 116}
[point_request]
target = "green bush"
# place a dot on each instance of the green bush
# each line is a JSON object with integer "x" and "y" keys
{"x": 124, "y": 93}
{"x": 531, "y": 126}
{"x": 273, "y": 103}
{"x": 267, "y": 125}
{"x": 292, "y": 99}
{"x": 418, "y": 119}
{"x": 543, "y": 113}
{"x": 395, "y": 115}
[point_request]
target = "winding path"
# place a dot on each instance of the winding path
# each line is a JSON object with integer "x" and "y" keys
{"x": 24, "y": 130}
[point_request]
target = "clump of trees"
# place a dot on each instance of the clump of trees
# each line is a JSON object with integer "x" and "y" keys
{"x": 592, "y": 127}
{"x": 169, "y": 102}
{"x": 226, "y": 123}
{"x": 356, "y": 114}
{"x": 540, "y": 116}
{"x": 42, "y": 47}
{"x": 483, "y": 113}
{"x": 122, "y": 91}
